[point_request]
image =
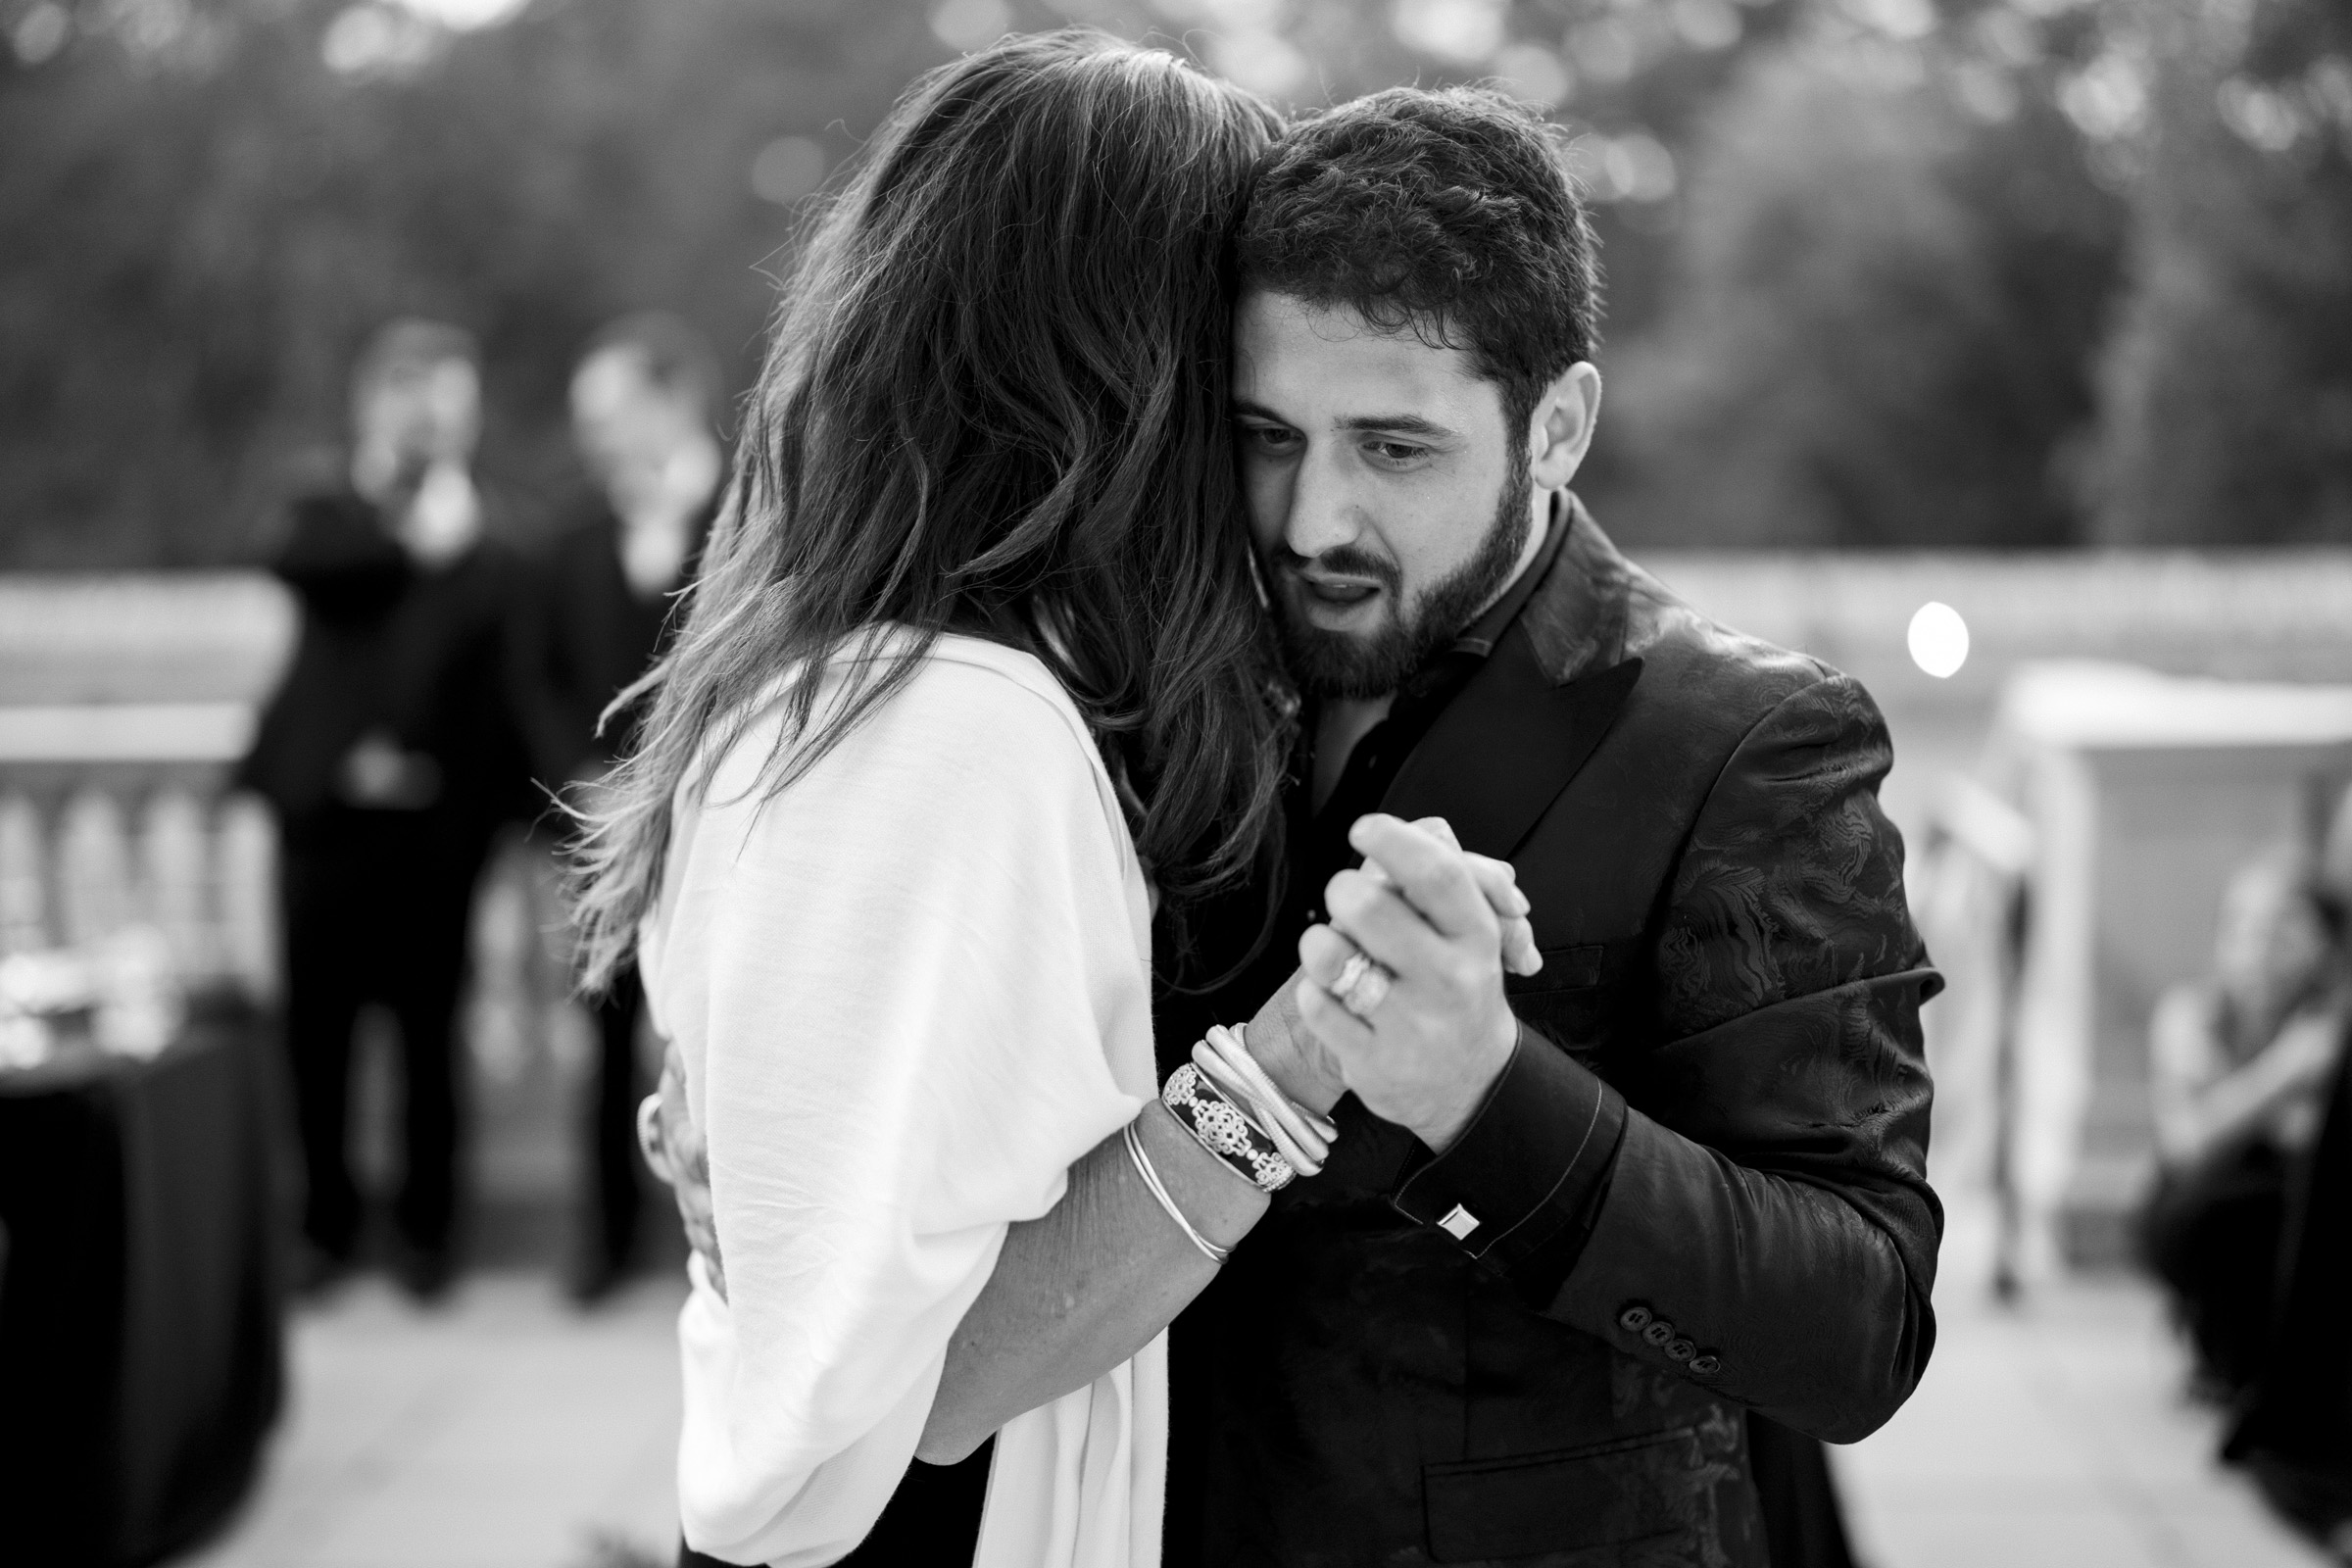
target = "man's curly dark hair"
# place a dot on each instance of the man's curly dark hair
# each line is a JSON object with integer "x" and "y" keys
{"x": 1445, "y": 213}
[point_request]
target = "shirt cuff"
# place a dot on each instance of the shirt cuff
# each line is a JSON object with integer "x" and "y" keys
{"x": 1369, "y": 1157}
{"x": 1528, "y": 1167}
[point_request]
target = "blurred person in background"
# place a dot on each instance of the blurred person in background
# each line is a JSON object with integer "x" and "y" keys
{"x": 2238, "y": 1068}
{"x": 391, "y": 753}
{"x": 2293, "y": 1427}
{"x": 645, "y": 400}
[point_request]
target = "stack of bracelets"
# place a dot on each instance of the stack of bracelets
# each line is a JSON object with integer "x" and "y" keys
{"x": 1226, "y": 1102}
{"x": 1224, "y": 1098}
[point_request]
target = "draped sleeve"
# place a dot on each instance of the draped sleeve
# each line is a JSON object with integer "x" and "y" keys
{"x": 910, "y": 991}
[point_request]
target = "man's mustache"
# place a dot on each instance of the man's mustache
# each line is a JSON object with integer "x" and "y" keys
{"x": 1343, "y": 561}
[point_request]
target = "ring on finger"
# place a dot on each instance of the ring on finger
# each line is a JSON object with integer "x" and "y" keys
{"x": 1361, "y": 985}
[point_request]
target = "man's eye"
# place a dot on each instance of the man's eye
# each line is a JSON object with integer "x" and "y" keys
{"x": 1397, "y": 451}
{"x": 1270, "y": 437}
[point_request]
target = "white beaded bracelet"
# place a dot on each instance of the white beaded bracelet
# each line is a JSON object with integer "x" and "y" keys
{"x": 1143, "y": 1168}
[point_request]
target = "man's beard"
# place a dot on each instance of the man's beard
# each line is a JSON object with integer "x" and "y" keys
{"x": 1328, "y": 664}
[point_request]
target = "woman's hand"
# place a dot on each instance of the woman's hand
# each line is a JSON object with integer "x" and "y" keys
{"x": 674, "y": 1150}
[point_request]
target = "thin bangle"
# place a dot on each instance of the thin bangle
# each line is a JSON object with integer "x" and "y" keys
{"x": 1143, "y": 1168}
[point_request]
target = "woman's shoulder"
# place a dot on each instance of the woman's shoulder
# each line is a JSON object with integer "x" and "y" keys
{"x": 1004, "y": 682}
{"x": 971, "y": 711}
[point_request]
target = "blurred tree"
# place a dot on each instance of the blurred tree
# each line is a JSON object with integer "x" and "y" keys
{"x": 1860, "y": 252}
{"x": 2228, "y": 384}
{"x": 207, "y": 204}
{"x": 1885, "y": 301}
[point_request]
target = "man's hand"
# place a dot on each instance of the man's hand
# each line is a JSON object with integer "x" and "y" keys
{"x": 1442, "y": 1034}
{"x": 674, "y": 1150}
{"x": 1300, "y": 1065}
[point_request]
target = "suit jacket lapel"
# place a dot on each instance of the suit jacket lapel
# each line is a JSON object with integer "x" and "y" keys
{"x": 1504, "y": 749}
{"x": 1510, "y": 740}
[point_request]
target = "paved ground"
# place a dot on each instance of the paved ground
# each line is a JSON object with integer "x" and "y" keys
{"x": 507, "y": 1431}
{"x": 2054, "y": 1435}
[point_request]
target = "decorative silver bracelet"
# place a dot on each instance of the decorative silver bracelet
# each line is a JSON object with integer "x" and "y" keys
{"x": 1143, "y": 1168}
{"x": 1218, "y": 1125}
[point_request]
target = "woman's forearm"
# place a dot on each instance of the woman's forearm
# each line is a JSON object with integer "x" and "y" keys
{"x": 1082, "y": 1287}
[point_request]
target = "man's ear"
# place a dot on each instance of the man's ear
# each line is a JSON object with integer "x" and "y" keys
{"x": 1561, "y": 429}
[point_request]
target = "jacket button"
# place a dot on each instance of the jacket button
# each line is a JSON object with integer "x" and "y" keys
{"x": 1680, "y": 1350}
{"x": 1706, "y": 1366}
{"x": 1634, "y": 1319}
{"x": 1658, "y": 1333}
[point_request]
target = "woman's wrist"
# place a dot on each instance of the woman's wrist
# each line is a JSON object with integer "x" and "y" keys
{"x": 1280, "y": 1042}
{"x": 1221, "y": 1203}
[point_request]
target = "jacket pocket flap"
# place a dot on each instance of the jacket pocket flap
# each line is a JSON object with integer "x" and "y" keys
{"x": 1601, "y": 1496}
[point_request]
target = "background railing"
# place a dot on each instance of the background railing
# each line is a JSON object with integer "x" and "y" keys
{"x": 125, "y": 704}
{"x": 126, "y": 700}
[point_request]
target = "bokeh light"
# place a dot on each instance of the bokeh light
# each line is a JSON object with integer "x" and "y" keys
{"x": 970, "y": 24}
{"x": 788, "y": 169}
{"x": 465, "y": 13}
{"x": 1938, "y": 639}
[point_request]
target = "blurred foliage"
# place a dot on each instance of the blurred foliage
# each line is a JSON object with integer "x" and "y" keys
{"x": 1882, "y": 271}
{"x": 204, "y": 217}
{"x": 1888, "y": 297}
{"x": 2229, "y": 378}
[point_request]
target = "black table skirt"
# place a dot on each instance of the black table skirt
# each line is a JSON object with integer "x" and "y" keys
{"x": 141, "y": 1316}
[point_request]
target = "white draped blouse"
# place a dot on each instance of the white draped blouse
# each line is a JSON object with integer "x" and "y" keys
{"x": 909, "y": 990}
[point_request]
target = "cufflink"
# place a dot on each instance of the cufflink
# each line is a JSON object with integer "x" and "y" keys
{"x": 1458, "y": 1223}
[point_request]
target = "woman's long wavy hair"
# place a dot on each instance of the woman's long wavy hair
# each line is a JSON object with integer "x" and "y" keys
{"x": 993, "y": 403}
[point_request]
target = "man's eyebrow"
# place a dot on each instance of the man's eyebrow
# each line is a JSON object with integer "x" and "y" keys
{"x": 1397, "y": 424}
{"x": 1391, "y": 424}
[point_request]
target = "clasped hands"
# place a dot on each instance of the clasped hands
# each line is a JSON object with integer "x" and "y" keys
{"x": 1446, "y": 925}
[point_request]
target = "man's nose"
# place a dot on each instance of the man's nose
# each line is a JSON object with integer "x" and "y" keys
{"x": 1325, "y": 513}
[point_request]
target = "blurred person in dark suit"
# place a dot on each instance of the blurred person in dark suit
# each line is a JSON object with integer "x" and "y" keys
{"x": 392, "y": 752}
{"x": 644, "y": 403}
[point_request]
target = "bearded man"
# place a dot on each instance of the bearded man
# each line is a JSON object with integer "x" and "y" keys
{"x": 1678, "y": 1175}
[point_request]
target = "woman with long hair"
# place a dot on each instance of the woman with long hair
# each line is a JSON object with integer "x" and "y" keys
{"x": 976, "y": 668}
{"x": 975, "y": 641}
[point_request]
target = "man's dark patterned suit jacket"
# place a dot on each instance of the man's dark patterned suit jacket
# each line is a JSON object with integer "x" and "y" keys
{"x": 1698, "y": 1187}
